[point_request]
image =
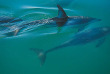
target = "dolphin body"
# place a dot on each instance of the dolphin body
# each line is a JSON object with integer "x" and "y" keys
{"x": 81, "y": 38}
{"x": 6, "y": 19}
{"x": 61, "y": 20}
{"x": 7, "y": 24}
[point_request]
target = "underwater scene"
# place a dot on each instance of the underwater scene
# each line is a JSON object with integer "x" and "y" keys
{"x": 54, "y": 37}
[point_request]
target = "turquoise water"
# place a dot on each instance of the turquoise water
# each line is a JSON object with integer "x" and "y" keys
{"x": 17, "y": 58}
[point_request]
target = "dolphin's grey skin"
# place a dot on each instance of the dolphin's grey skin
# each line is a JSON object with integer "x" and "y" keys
{"x": 6, "y": 19}
{"x": 61, "y": 20}
{"x": 82, "y": 37}
{"x": 7, "y": 24}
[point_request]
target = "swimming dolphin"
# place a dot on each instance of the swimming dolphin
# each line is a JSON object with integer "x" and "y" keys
{"x": 81, "y": 38}
{"x": 61, "y": 20}
{"x": 7, "y": 19}
{"x": 7, "y": 24}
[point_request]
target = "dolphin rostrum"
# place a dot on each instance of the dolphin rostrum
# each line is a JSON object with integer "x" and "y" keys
{"x": 81, "y": 38}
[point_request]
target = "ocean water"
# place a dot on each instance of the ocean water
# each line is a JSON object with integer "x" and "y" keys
{"x": 17, "y": 58}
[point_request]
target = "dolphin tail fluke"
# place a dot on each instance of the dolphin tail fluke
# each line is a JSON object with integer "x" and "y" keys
{"x": 41, "y": 55}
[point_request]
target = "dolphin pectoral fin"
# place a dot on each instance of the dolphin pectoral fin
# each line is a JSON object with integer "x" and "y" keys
{"x": 16, "y": 32}
{"x": 61, "y": 12}
{"x": 41, "y": 55}
{"x": 59, "y": 29}
{"x": 101, "y": 41}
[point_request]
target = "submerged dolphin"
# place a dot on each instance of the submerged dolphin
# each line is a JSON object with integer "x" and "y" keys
{"x": 80, "y": 38}
{"x": 61, "y": 20}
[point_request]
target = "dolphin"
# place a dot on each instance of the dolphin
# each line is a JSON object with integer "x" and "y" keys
{"x": 81, "y": 38}
{"x": 59, "y": 21}
{"x": 7, "y": 24}
{"x": 63, "y": 20}
{"x": 7, "y": 19}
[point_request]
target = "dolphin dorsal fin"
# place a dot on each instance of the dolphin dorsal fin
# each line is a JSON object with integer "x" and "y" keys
{"x": 61, "y": 12}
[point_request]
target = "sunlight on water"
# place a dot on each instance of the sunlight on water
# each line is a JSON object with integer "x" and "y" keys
{"x": 50, "y": 8}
